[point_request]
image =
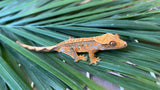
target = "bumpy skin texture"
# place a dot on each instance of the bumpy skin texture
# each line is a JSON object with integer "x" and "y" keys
{"x": 91, "y": 45}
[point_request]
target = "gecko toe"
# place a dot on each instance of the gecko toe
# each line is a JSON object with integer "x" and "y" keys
{"x": 82, "y": 57}
{"x": 93, "y": 63}
{"x": 98, "y": 59}
{"x": 76, "y": 60}
{"x": 86, "y": 58}
{"x": 90, "y": 63}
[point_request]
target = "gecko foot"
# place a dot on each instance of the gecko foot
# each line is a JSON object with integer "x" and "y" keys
{"x": 81, "y": 57}
{"x": 95, "y": 60}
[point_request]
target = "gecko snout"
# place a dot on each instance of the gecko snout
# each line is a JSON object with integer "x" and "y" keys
{"x": 125, "y": 44}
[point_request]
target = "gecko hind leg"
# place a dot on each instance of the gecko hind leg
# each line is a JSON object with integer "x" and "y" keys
{"x": 78, "y": 57}
{"x": 71, "y": 52}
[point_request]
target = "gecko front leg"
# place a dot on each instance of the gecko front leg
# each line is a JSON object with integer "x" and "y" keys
{"x": 93, "y": 59}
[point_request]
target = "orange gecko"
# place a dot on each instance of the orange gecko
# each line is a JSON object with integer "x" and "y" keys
{"x": 91, "y": 45}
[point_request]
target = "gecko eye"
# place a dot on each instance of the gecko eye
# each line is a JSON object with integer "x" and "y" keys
{"x": 112, "y": 43}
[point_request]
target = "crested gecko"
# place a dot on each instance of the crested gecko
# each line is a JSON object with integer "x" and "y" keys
{"x": 72, "y": 46}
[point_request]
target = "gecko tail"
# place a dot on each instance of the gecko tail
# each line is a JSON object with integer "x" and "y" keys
{"x": 39, "y": 49}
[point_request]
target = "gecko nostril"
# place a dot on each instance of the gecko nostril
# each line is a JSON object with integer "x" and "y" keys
{"x": 125, "y": 45}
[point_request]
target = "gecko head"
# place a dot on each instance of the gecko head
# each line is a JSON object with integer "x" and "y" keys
{"x": 110, "y": 41}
